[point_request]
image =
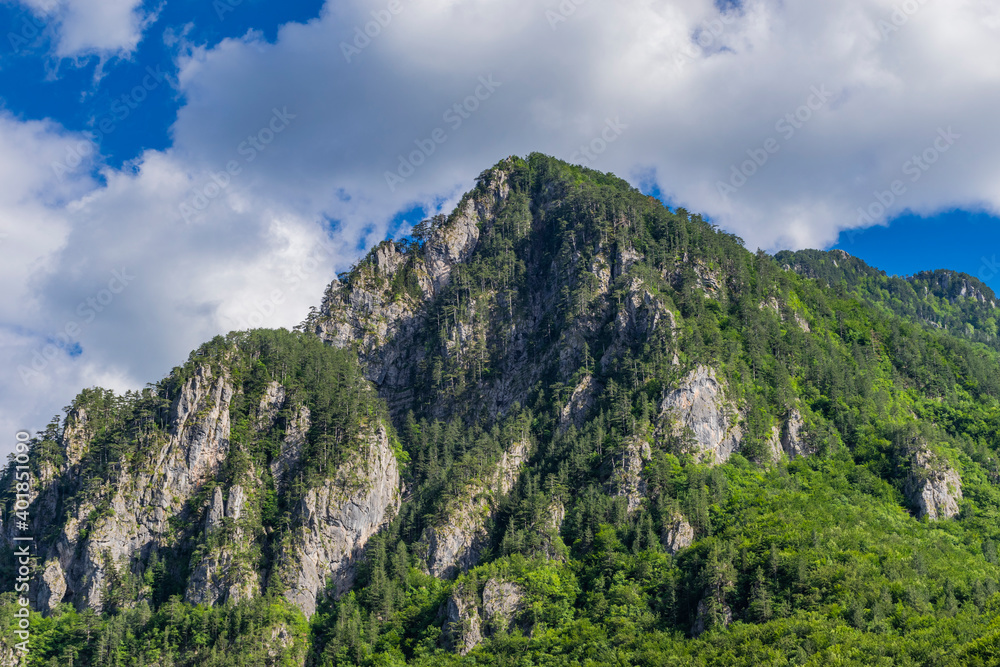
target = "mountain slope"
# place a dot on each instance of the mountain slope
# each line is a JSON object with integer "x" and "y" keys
{"x": 561, "y": 424}
{"x": 955, "y": 301}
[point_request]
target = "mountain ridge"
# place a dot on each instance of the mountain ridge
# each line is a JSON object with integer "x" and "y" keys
{"x": 562, "y": 420}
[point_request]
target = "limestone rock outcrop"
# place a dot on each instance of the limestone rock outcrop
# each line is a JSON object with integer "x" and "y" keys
{"x": 580, "y": 403}
{"x": 181, "y": 499}
{"x": 467, "y": 622}
{"x": 699, "y": 409}
{"x": 933, "y": 486}
{"x": 369, "y": 314}
{"x": 677, "y": 534}
{"x": 455, "y": 545}
{"x": 224, "y": 574}
{"x": 335, "y": 520}
{"x": 626, "y": 480}
{"x": 98, "y": 540}
{"x": 463, "y": 627}
{"x": 793, "y": 437}
{"x": 502, "y": 602}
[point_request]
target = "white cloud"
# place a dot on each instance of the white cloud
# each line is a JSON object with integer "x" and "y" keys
{"x": 85, "y": 27}
{"x": 114, "y": 288}
{"x": 696, "y": 88}
{"x": 692, "y": 90}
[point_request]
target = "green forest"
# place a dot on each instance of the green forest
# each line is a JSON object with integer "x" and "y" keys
{"x": 808, "y": 560}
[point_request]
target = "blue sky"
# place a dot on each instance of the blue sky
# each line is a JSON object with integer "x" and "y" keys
{"x": 80, "y": 94}
{"x": 173, "y": 170}
{"x": 956, "y": 240}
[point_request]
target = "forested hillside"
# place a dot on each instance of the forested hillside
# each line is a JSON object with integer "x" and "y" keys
{"x": 939, "y": 299}
{"x": 563, "y": 425}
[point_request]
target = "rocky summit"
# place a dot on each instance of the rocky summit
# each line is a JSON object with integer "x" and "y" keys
{"x": 562, "y": 425}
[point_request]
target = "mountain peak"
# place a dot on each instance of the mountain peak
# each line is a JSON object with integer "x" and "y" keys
{"x": 560, "y": 406}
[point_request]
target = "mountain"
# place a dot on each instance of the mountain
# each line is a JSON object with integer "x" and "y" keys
{"x": 561, "y": 425}
{"x": 955, "y": 301}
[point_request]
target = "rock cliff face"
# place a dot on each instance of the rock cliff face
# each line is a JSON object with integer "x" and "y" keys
{"x": 225, "y": 574}
{"x": 581, "y": 402}
{"x": 9, "y": 656}
{"x": 336, "y": 520}
{"x": 626, "y": 480}
{"x": 502, "y": 602}
{"x": 678, "y": 534}
{"x": 933, "y": 487}
{"x": 467, "y": 622}
{"x": 455, "y": 545}
{"x": 793, "y": 437}
{"x": 462, "y": 627}
{"x": 107, "y": 537}
{"x": 294, "y": 440}
{"x": 641, "y": 314}
{"x": 378, "y": 317}
{"x": 418, "y": 323}
{"x": 952, "y": 285}
{"x": 698, "y": 408}
{"x": 174, "y": 499}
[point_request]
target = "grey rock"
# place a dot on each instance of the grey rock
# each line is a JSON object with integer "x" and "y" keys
{"x": 216, "y": 510}
{"x": 933, "y": 486}
{"x": 9, "y": 655}
{"x": 699, "y": 406}
{"x": 455, "y": 545}
{"x": 642, "y": 312}
{"x": 224, "y": 574}
{"x": 270, "y": 404}
{"x": 365, "y": 314}
{"x": 76, "y": 436}
{"x": 626, "y": 480}
{"x": 235, "y": 503}
{"x": 282, "y": 650}
{"x": 677, "y": 534}
{"x": 502, "y": 602}
{"x": 222, "y": 577}
{"x": 52, "y": 586}
{"x": 467, "y": 623}
{"x": 335, "y": 520}
{"x": 793, "y": 437}
{"x": 296, "y": 431}
{"x": 463, "y": 628}
{"x": 555, "y": 514}
{"x": 581, "y": 401}
{"x": 141, "y": 503}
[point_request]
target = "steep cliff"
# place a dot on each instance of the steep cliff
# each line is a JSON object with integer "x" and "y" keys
{"x": 334, "y": 522}
{"x": 127, "y": 520}
{"x": 468, "y": 622}
{"x": 626, "y": 479}
{"x": 382, "y": 306}
{"x": 933, "y": 486}
{"x": 699, "y": 413}
{"x": 456, "y": 543}
{"x": 175, "y": 490}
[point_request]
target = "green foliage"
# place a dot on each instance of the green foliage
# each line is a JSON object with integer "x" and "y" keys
{"x": 249, "y": 634}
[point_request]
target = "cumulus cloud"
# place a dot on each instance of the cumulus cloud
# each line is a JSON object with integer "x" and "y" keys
{"x": 786, "y": 122}
{"x": 85, "y": 27}
{"x": 114, "y": 287}
{"x": 780, "y": 120}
